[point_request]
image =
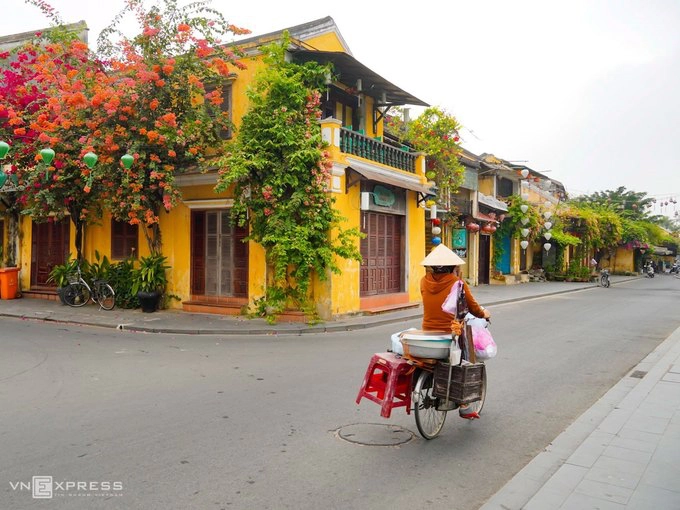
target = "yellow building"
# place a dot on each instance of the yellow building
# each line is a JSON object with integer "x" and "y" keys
{"x": 378, "y": 185}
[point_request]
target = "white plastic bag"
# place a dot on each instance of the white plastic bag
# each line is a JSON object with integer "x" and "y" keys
{"x": 450, "y": 304}
{"x": 397, "y": 347}
{"x": 485, "y": 347}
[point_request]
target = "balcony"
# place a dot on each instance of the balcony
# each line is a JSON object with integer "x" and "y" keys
{"x": 360, "y": 145}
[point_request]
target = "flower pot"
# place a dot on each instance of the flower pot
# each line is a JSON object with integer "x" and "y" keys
{"x": 148, "y": 300}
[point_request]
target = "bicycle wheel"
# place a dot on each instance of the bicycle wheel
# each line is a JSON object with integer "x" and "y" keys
{"x": 428, "y": 420}
{"x": 604, "y": 280}
{"x": 76, "y": 294}
{"x": 106, "y": 297}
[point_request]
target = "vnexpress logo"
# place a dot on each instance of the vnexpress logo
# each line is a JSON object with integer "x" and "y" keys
{"x": 41, "y": 487}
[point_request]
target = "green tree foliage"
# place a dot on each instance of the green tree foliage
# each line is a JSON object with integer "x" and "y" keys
{"x": 279, "y": 170}
{"x": 434, "y": 132}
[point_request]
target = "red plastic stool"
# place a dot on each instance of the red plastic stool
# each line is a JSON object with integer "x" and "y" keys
{"x": 388, "y": 382}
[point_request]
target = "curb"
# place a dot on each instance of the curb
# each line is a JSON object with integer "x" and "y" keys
{"x": 298, "y": 331}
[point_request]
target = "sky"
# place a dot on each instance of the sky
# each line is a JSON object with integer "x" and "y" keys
{"x": 587, "y": 91}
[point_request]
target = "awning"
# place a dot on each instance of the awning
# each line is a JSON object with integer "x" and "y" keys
{"x": 484, "y": 217}
{"x": 374, "y": 173}
{"x": 492, "y": 202}
{"x": 350, "y": 70}
{"x": 661, "y": 250}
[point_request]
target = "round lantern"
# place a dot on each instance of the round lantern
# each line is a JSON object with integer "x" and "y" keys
{"x": 547, "y": 235}
{"x": 524, "y": 220}
{"x": 547, "y": 215}
{"x": 430, "y": 175}
{"x": 525, "y": 196}
{"x": 436, "y": 221}
{"x": 524, "y": 244}
{"x": 547, "y": 246}
{"x": 90, "y": 160}
{"x": 524, "y": 208}
{"x": 436, "y": 241}
{"x": 548, "y": 225}
{"x": 472, "y": 227}
{"x": 525, "y": 232}
{"x": 47, "y": 155}
{"x": 488, "y": 228}
{"x": 436, "y": 231}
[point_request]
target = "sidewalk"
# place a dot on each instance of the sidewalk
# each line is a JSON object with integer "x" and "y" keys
{"x": 623, "y": 453}
{"x": 179, "y": 322}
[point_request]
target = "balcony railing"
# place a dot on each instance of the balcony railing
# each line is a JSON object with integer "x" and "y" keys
{"x": 357, "y": 144}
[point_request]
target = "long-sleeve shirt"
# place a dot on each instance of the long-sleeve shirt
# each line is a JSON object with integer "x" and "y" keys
{"x": 434, "y": 288}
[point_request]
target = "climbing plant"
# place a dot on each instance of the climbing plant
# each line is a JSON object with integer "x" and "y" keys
{"x": 279, "y": 169}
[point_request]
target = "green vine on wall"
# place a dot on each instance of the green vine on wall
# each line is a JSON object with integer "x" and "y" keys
{"x": 280, "y": 170}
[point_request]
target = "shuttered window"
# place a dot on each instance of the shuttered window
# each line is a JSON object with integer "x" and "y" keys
{"x": 124, "y": 240}
{"x": 381, "y": 250}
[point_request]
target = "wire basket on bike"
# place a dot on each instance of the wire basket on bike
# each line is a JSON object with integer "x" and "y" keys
{"x": 73, "y": 278}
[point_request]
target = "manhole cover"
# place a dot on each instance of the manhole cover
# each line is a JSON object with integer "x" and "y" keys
{"x": 375, "y": 434}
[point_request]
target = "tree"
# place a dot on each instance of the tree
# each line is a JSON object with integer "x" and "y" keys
{"x": 166, "y": 106}
{"x": 434, "y": 132}
{"x": 279, "y": 170}
{"x": 628, "y": 204}
{"x": 50, "y": 86}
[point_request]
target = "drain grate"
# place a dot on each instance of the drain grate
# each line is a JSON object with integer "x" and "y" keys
{"x": 638, "y": 374}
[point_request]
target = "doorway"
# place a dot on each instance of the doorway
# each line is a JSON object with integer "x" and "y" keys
{"x": 219, "y": 257}
{"x": 484, "y": 258}
{"x": 49, "y": 247}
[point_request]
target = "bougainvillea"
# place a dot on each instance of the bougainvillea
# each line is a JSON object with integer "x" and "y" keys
{"x": 158, "y": 96}
{"x": 47, "y": 95}
{"x": 279, "y": 170}
{"x": 435, "y": 132}
{"x": 167, "y": 106}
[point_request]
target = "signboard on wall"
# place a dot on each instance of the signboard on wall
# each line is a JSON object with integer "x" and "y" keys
{"x": 458, "y": 238}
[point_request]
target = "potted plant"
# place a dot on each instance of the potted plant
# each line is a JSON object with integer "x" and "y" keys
{"x": 60, "y": 275}
{"x": 149, "y": 281}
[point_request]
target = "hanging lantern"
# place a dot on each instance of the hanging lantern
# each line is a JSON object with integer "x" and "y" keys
{"x": 548, "y": 225}
{"x": 90, "y": 160}
{"x": 430, "y": 175}
{"x": 3, "y": 178}
{"x": 436, "y": 241}
{"x": 547, "y": 215}
{"x": 524, "y": 208}
{"x": 47, "y": 155}
{"x": 547, "y": 246}
{"x": 525, "y": 232}
{"x": 524, "y": 244}
{"x": 127, "y": 161}
{"x": 547, "y": 203}
{"x": 524, "y": 173}
{"x": 4, "y": 149}
{"x": 547, "y": 235}
{"x": 472, "y": 227}
{"x": 525, "y": 196}
{"x": 436, "y": 221}
{"x": 501, "y": 217}
{"x": 524, "y": 220}
{"x": 488, "y": 228}
{"x": 436, "y": 231}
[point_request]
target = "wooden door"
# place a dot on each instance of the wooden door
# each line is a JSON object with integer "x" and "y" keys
{"x": 219, "y": 257}
{"x": 49, "y": 247}
{"x": 381, "y": 251}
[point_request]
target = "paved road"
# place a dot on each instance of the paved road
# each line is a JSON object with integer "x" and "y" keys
{"x": 251, "y": 422}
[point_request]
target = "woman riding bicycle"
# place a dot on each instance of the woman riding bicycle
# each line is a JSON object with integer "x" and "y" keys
{"x": 434, "y": 288}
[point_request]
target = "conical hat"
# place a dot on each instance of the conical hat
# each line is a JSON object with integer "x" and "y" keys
{"x": 442, "y": 256}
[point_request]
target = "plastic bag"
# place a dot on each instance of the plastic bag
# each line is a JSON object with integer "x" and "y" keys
{"x": 397, "y": 347}
{"x": 450, "y": 304}
{"x": 485, "y": 347}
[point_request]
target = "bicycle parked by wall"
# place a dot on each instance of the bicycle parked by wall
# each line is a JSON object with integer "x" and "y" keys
{"x": 78, "y": 292}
